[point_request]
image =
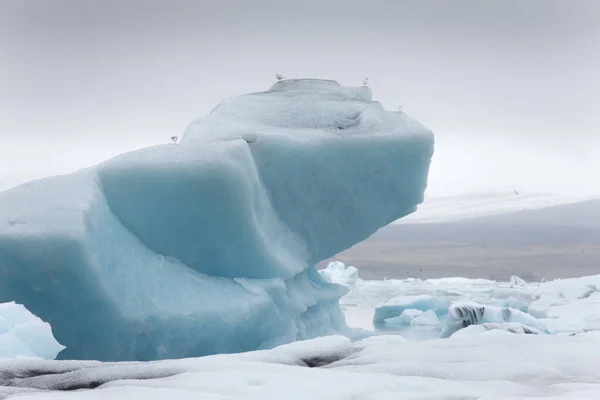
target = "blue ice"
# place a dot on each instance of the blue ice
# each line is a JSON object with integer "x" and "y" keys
{"x": 395, "y": 307}
{"x": 209, "y": 246}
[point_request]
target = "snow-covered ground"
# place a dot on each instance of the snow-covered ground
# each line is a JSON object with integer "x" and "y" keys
{"x": 493, "y": 358}
{"x": 491, "y": 365}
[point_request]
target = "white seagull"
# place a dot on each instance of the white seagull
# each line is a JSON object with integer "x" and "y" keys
{"x": 366, "y": 82}
{"x": 174, "y": 139}
{"x": 279, "y": 77}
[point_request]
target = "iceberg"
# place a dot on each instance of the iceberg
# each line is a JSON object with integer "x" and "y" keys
{"x": 399, "y": 305}
{"x": 428, "y": 318}
{"x": 574, "y": 301}
{"x": 337, "y": 272}
{"x": 210, "y": 245}
{"x": 406, "y": 318}
{"x": 24, "y": 335}
{"x": 414, "y": 318}
{"x": 517, "y": 281}
{"x": 465, "y": 314}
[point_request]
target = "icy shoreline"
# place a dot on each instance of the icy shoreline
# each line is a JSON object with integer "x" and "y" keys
{"x": 479, "y": 362}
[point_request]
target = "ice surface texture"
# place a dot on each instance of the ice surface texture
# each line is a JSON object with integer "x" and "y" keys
{"x": 209, "y": 246}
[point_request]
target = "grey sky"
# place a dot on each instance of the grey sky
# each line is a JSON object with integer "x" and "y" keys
{"x": 511, "y": 87}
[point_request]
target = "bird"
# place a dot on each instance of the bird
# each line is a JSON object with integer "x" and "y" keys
{"x": 365, "y": 81}
{"x": 174, "y": 139}
{"x": 400, "y": 108}
{"x": 279, "y": 77}
{"x": 517, "y": 193}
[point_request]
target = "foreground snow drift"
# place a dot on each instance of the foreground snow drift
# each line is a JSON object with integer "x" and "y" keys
{"x": 209, "y": 246}
{"x": 487, "y": 366}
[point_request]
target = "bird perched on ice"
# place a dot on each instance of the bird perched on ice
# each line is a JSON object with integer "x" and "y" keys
{"x": 174, "y": 139}
{"x": 279, "y": 77}
{"x": 366, "y": 82}
{"x": 399, "y": 108}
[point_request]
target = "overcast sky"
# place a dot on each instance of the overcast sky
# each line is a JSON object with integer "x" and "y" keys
{"x": 511, "y": 88}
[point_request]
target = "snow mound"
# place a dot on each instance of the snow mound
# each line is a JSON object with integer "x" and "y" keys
{"x": 22, "y": 334}
{"x": 209, "y": 246}
{"x": 508, "y": 327}
{"x": 337, "y": 272}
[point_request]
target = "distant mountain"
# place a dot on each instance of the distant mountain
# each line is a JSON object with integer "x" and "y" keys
{"x": 581, "y": 214}
{"x": 469, "y": 204}
{"x": 556, "y": 225}
{"x": 494, "y": 232}
{"x": 556, "y": 241}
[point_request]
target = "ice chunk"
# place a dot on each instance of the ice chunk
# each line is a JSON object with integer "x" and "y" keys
{"x": 406, "y": 318}
{"x": 22, "y": 334}
{"x": 209, "y": 246}
{"x": 414, "y": 318}
{"x": 569, "y": 299}
{"x": 337, "y": 272}
{"x": 516, "y": 281}
{"x": 463, "y": 314}
{"x": 429, "y": 318}
{"x": 397, "y": 305}
{"x": 564, "y": 325}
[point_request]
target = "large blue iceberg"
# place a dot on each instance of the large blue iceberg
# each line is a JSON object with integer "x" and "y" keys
{"x": 209, "y": 246}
